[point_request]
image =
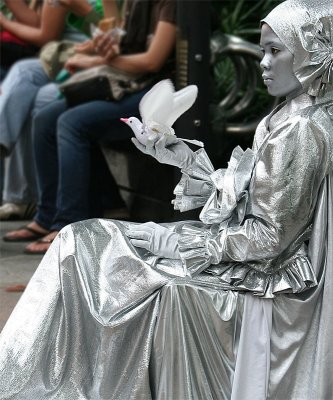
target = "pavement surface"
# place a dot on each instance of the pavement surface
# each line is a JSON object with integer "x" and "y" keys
{"x": 16, "y": 268}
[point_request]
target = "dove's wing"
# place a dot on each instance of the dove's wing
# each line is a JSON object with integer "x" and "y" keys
{"x": 157, "y": 103}
{"x": 182, "y": 101}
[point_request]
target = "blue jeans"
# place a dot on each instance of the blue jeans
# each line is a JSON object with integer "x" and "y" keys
{"x": 18, "y": 91}
{"x": 17, "y": 101}
{"x": 62, "y": 144}
{"x": 20, "y": 185}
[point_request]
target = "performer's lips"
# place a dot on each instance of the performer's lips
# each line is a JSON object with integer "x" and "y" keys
{"x": 266, "y": 78}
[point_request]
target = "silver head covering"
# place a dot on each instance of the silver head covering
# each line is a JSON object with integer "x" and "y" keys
{"x": 305, "y": 27}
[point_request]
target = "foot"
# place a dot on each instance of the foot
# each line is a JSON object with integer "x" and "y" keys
{"x": 13, "y": 211}
{"x": 42, "y": 245}
{"x": 27, "y": 233}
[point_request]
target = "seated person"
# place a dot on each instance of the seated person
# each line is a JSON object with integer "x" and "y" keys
{"x": 237, "y": 305}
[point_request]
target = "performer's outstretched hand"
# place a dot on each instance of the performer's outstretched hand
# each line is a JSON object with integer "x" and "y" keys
{"x": 155, "y": 238}
{"x": 167, "y": 150}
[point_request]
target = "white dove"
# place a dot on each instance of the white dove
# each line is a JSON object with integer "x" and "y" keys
{"x": 159, "y": 109}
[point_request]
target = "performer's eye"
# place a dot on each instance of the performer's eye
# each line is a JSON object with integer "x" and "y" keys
{"x": 274, "y": 50}
{"x": 262, "y": 50}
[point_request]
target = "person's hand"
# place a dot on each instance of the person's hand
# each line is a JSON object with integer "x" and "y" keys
{"x": 106, "y": 45}
{"x": 82, "y": 61}
{"x": 167, "y": 149}
{"x": 86, "y": 47}
{"x": 155, "y": 238}
{"x": 77, "y": 7}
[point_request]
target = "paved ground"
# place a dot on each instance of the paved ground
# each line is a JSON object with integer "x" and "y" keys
{"x": 15, "y": 268}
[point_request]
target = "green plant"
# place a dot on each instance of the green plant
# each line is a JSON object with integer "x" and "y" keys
{"x": 4, "y": 9}
{"x": 239, "y": 18}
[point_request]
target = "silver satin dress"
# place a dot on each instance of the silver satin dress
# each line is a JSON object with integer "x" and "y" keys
{"x": 245, "y": 314}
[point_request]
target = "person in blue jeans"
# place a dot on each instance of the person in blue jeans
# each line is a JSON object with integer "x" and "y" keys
{"x": 63, "y": 137}
{"x": 18, "y": 101}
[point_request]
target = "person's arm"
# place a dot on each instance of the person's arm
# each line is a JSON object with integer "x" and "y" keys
{"x": 23, "y": 13}
{"x": 111, "y": 10}
{"x": 154, "y": 58}
{"x": 51, "y": 27}
{"x": 151, "y": 60}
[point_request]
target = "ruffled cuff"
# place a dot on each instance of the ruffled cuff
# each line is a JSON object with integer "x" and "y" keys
{"x": 193, "y": 245}
{"x": 233, "y": 187}
{"x": 195, "y": 186}
{"x": 294, "y": 277}
{"x": 197, "y": 249}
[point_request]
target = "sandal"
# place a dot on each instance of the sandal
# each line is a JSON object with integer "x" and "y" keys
{"x": 42, "y": 245}
{"x": 34, "y": 234}
{"x": 15, "y": 288}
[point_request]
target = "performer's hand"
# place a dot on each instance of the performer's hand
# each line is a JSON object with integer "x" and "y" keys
{"x": 167, "y": 149}
{"x": 155, "y": 238}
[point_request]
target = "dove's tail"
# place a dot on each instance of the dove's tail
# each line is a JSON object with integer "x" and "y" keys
{"x": 193, "y": 141}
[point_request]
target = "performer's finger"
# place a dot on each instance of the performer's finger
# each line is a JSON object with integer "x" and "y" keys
{"x": 161, "y": 142}
{"x": 140, "y": 243}
{"x": 152, "y": 139}
{"x": 139, "y": 234}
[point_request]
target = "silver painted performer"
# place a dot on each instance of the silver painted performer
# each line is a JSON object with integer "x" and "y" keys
{"x": 235, "y": 306}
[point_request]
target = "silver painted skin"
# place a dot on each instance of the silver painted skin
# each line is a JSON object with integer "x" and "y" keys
{"x": 245, "y": 314}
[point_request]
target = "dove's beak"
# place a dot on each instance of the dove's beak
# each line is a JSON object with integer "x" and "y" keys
{"x": 124, "y": 120}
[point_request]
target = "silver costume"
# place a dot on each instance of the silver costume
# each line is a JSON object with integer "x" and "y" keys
{"x": 246, "y": 313}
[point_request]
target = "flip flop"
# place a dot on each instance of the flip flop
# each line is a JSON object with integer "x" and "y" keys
{"x": 34, "y": 235}
{"x": 44, "y": 241}
{"x": 15, "y": 288}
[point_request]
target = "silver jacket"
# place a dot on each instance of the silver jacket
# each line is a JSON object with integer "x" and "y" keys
{"x": 258, "y": 213}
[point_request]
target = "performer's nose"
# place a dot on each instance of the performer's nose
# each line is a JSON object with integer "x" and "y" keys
{"x": 265, "y": 62}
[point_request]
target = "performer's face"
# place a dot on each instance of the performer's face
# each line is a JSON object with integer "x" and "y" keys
{"x": 277, "y": 64}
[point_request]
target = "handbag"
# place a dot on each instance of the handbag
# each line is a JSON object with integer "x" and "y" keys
{"x": 102, "y": 82}
{"x": 54, "y": 55}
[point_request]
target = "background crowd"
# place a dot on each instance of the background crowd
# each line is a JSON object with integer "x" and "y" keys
{"x": 51, "y": 147}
